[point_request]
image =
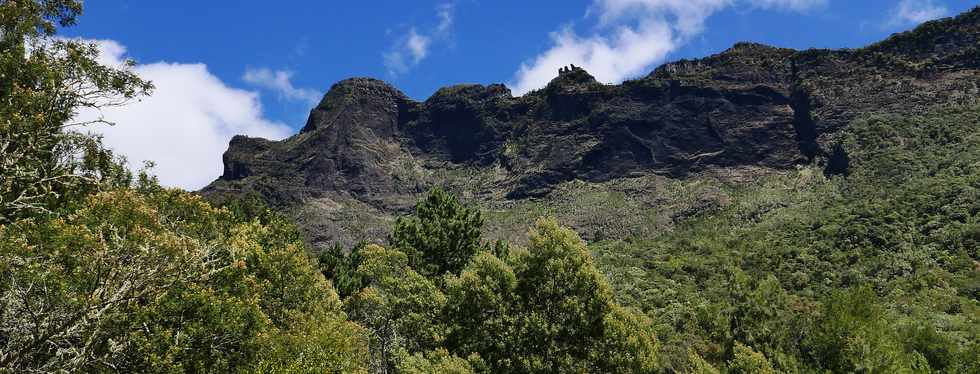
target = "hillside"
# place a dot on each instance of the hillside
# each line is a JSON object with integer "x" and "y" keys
{"x": 614, "y": 161}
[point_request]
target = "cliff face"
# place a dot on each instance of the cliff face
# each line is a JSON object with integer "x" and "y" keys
{"x": 367, "y": 149}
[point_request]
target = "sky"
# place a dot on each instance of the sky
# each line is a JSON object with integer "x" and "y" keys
{"x": 257, "y": 68}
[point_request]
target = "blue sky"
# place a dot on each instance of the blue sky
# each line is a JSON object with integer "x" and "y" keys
{"x": 263, "y": 64}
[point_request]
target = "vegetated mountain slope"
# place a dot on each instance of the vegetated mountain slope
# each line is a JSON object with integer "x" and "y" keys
{"x": 870, "y": 271}
{"x": 614, "y": 160}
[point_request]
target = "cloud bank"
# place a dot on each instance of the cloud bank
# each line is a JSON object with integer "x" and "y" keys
{"x": 630, "y": 36}
{"x": 185, "y": 125}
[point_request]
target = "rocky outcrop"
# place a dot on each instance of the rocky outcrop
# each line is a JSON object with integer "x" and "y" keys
{"x": 750, "y": 106}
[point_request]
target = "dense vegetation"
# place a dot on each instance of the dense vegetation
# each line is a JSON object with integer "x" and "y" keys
{"x": 540, "y": 309}
{"x": 876, "y": 270}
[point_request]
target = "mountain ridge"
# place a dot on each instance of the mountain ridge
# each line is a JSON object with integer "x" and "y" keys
{"x": 367, "y": 146}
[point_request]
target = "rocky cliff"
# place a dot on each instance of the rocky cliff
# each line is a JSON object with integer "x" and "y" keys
{"x": 368, "y": 150}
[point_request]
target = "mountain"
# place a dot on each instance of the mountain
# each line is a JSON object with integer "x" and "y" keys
{"x": 613, "y": 161}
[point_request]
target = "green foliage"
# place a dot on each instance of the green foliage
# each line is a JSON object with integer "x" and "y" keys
{"x": 697, "y": 365}
{"x": 441, "y": 236}
{"x": 437, "y": 362}
{"x": 481, "y": 309}
{"x": 545, "y": 309}
{"x": 64, "y": 280}
{"x": 37, "y": 17}
{"x": 44, "y": 83}
{"x": 767, "y": 270}
{"x": 315, "y": 343}
{"x": 854, "y": 335}
{"x": 747, "y": 361}
{"x": 400, "y": 307}
{"x": 161, "y": 282}
{"x": 341, "y": 268}
{"x": 628, "y": 343}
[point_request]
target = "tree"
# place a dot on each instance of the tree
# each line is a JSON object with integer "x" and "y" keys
{"x": 546, "y": 309}
{"x": 853, "y": 335}
{"x": 44, "y": 82}
{"x": 697, "y": 365}
{"x": 438, "y": 362}
{"x": 759, "y": 317}
{"x": 315, "y": 344}
{"x": 64, "y": 283}
{"x": 748, "y": 361}
{"x": 100, "y": 274}
{"x": 160, "y": 280}
{"x": 265, "y": 307}
{"x": 482, "y": 311}
{"x": 341, "y": 268}
{"x": 400, "y": 307}
{"x": 441, "y": 236}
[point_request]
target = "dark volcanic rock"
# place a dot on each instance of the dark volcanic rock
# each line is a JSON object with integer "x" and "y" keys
{"x": 461, "y": 123}
{"x": 752, "y": 106}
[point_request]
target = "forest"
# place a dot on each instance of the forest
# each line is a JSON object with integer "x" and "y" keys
{"x": 102, "y": 269}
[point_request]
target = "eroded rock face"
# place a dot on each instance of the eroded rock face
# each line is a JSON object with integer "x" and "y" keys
{"x": 751, "y": 106}
{"x": 347, "y": 140}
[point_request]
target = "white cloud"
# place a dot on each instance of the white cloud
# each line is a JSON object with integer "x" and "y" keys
{"x": 630, "y": 36}
{"x": 608, "y": 59}
{"x": 911, "y": 12}
{"x": 185, "y": 125}
{"x": 445, "y": 14}
{"x": 279, "y": 82}
{"x": 418, "y": 45}
{"x": 395, "y": 62}
{"x": 408, "y": 51}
